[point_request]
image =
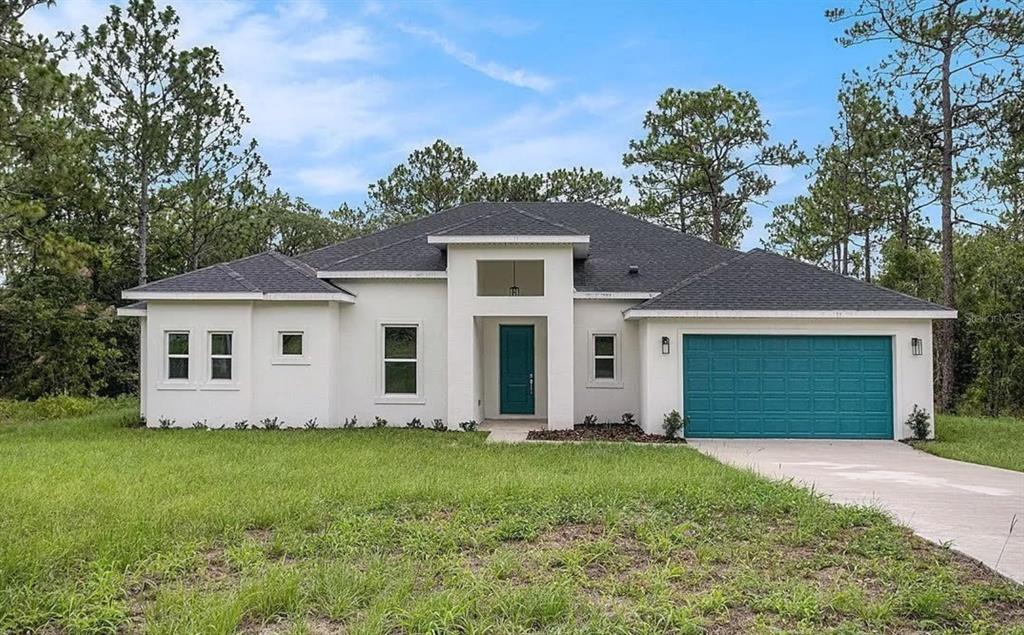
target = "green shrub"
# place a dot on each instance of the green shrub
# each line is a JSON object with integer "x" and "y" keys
{"x": 673, "y": 423}
{"x": 468, "y": 426}
{"x": 439, "y": 426}
{"x": 920, "y": 423}
{"x": 165, "y": 423}
{"x": 270, "y": 423}
{"x": 241, "y": 425}
{"x": 310, "y": 424}
{"x": 352, "y": 423}
{"x": 199, "y": 425}
{"x": 415, "y": 424}
{"x": 63, "y": 407}
{"x": 590, "y": 420}
{"x": 379, "y": 422}
{"x": 628, "y": 419}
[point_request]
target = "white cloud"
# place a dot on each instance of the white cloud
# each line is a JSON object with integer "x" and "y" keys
{"x": 514, "y": 76}
{"x": 333, "y": 180}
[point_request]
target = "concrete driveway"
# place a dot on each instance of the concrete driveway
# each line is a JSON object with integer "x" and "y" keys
{"x": 970, "y": 506}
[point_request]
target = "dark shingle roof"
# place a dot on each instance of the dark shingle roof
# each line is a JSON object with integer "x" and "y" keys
{"x": 267, "y": 272}
{"x": 759, "y": 280}
{"x": 690, "y": 273}
{"x": 617, "y": 241}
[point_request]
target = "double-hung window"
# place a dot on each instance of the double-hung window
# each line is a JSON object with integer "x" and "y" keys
{"x": 221, "y": 356}
{"x": 177, "y": 355}
{"x": 604, "y": 357}
{"x": 400, "y": 359}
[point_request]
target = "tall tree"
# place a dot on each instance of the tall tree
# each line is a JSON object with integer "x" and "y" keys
{"x": 220, "y": 176}
{"x": 431, "y": 180}
{"x": 704, "y": 158}
{"x": 131, "y": 66}
{"x": 958, "y": 61}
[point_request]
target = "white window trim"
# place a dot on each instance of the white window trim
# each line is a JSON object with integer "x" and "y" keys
{"x": 592, "y": 380}
{"x": 212, "y": 383}
{"x": 280, "y": 359}
{"x": 382, "y": 397}
{"x": 178, "y": 383}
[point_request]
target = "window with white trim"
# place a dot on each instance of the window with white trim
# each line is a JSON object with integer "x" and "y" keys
{"x": 221, "y": 356}
{"x": 177, "y": 355}
{"x": 400, "y": 359}
{"x": 290, "y": 343}
{"x": 605, "y": 350}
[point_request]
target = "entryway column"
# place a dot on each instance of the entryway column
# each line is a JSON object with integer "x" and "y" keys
{"x": 561, "y": 389}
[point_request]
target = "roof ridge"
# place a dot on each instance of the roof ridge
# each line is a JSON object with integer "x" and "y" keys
{"x": 411, "y": 238}
{"x": 239, "y": 278}
{"x": 545, "y": 220}
{"x": 402, "y": 224}
{"x": 864, "y": 283}
{"x": 690, "y": 279}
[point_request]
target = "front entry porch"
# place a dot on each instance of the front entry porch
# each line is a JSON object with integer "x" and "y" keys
{"x": 511, "y": 430}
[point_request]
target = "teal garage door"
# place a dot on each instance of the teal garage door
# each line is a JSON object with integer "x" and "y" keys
{"x": 790, "y": 386}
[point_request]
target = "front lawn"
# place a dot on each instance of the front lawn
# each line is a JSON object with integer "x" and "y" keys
{"x": 998, "y": 442}
{"x": 105, "y": 528}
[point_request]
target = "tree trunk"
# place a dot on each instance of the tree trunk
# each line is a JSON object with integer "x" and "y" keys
{"x": 143, "y": 224}
{"x": 946, "y": 335}
{"x": 682, "y": 215}
{"x": 716, "y": 223}
{"x": 867, "y": 255}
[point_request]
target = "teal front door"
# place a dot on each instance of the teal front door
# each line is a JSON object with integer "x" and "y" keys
{"x": 516, "y": 364}
{"x": 792, "y": 386}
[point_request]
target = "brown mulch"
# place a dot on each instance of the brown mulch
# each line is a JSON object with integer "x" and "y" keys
{"x": 601, "y": 432}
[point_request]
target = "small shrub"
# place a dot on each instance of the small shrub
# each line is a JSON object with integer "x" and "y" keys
{"x": 673, "y": 423}
{"x": 415, "y": 424}
{"x": 241, "y": 425}
{"x": 133, "y": 421}
{"x": 628, "y": 419}
{"x": 351, "y": 423}
{"x": 199, "y": 425}
{"x": 438, "y": 425}
{"x": 165, "y": 423}
{"x": 270, "y": 423}
{"x": 919, "y": 422}
{"x": 468, "y": 426}
{"x": 590, "y": 420}
{"x": 379, "y": 422}
{"x": 310, "y": 424}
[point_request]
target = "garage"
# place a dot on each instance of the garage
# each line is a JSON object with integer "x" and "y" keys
{"x": 788, "y": 386}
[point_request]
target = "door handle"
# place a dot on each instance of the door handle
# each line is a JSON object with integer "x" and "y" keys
{"x": 531, "y": 384}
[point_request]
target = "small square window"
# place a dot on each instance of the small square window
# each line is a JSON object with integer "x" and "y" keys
{"x": 291, "y": 344}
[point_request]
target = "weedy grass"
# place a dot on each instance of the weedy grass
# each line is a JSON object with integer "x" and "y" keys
{"x": 107, "y": 528}
{"x": 989, "y": 441}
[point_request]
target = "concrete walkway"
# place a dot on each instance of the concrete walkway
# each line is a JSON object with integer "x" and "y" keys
{"x": 510, "y": 430}
{"x": 970, "y": 506}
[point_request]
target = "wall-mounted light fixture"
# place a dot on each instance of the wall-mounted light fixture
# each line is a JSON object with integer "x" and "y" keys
{"x": 664, "y": 346}
{"x": 514, "y": 289}
{"x": 916, "y": 346}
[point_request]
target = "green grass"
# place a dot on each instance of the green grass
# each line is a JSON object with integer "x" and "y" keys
{"x": 984, "y": 440}
{"x": 106, "y": 528}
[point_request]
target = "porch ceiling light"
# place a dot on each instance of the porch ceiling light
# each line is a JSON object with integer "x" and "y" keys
{"x": 665, "y": 346}
{"x": 513, "y": 290}
{"x": 916, "y": 346}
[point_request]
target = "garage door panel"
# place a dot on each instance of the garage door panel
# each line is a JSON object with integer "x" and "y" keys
{"x": 788, "y": 386}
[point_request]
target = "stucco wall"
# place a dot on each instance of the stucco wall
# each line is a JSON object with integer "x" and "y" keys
{"x": 466, "y": 365}
{"x": 359, "y": 387}
{"x": 661, "y": 390}
{"x": 608, "y": 401}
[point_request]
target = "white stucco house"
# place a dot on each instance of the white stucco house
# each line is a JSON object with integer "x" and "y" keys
{"x": 540, "y": 311}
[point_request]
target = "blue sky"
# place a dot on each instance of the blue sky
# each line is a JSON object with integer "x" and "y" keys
{"x": 339, "y": 93}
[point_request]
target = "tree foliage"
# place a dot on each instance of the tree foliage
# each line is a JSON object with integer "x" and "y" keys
{"x": 705, "y": 158}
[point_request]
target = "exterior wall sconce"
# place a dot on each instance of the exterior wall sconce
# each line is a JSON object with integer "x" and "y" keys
{"x": 513, "y": 290}
{"x": 665, "y": 346}
{"x": 915, "y": 346}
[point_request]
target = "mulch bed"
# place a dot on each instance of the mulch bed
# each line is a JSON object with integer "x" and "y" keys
{"x": 601, "y": 432}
